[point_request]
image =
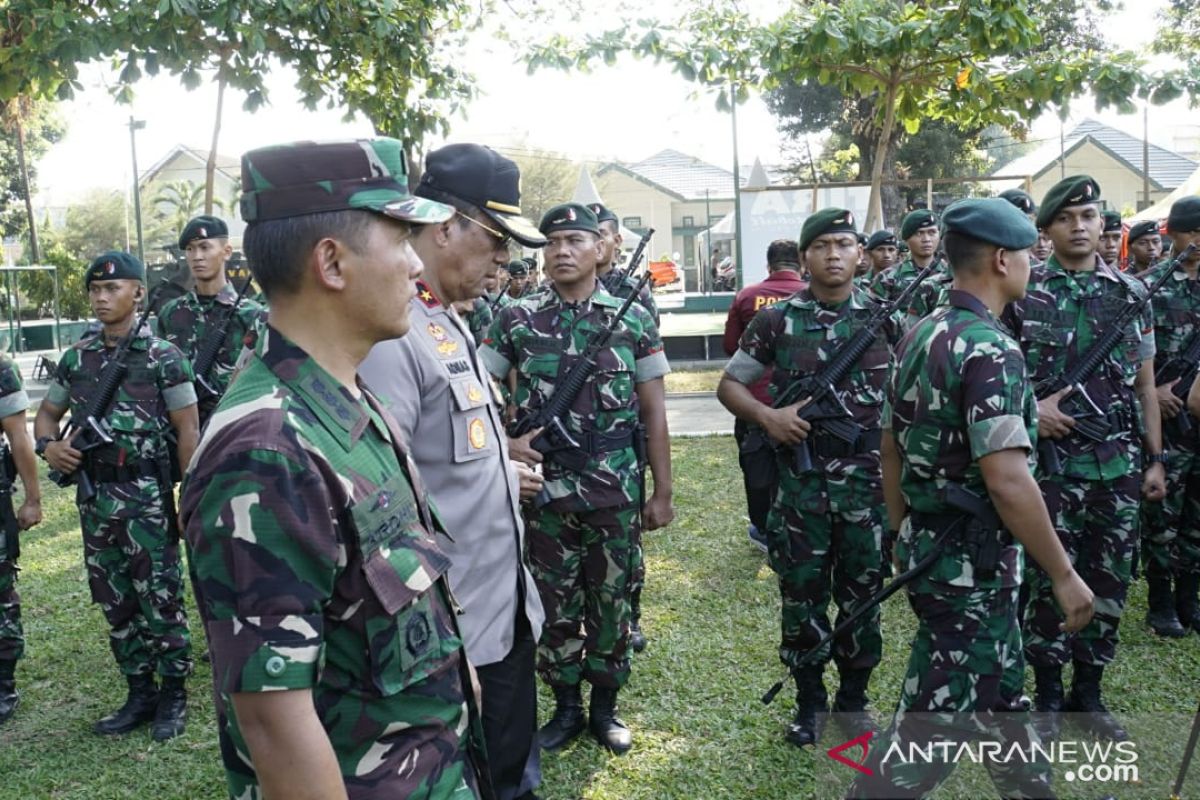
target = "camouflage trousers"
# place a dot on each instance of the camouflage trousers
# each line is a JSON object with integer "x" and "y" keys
{"x": 824, "y": 538}
{"x": 963, "y": 684}
{"x": 12, "y": 637}
{"x": 1097, "y": 523}
{"x": 582, "y": 563}
{"x": 135, "y": 576}
{"x": 1171, "y": 527}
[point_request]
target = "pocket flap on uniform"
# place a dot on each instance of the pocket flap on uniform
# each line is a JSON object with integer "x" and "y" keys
{"x": 468, "y": 394}
{"x": 398, "y": 576}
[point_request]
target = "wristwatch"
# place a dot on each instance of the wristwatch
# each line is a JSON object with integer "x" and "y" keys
{"x": 39, "y": 447}
{"x": 1157, "y": 458}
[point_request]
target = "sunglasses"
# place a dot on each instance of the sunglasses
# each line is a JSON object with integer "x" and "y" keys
{"x": 502, "y": 237}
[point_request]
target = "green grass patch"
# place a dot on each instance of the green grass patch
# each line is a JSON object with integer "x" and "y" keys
{"x": 701, "y": 380}
{"x": 711, "y": 613}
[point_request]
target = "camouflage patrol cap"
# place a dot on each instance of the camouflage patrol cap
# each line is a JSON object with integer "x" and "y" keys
{"x": 1077, "y": 190}
{"x": 203, "y": 227}
{"x": 518, "y": 269}
{"x": 1021, "y": 200}
{"x": 603, "y": 214}
{"x": 115, "y": 265}
{"x": 827, "y": 220}
{"x": 915, "y": 220}
{"x": 881, "y": 239}
{"x": 1141, "y": 229}
{"x": 991, "y": 219}
{"x": 1184, "y": 216}
{"x": 1112, "y": 221}
{"x": 570, "y": 217}
{"x": 301, "y": 178}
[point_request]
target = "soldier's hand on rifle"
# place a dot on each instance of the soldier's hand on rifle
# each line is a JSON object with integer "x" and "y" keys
{"x": 1168, "y": 403}
{"x": 1052, "y": 423}
{"x": 530, "y": 481}
{"x": 658, "y": 512}
{"x": 1154, "y": 482}
{"x": 521, "y": 450}
{"x": 784, "y": 425}
{"x": 29, "y": 514}
{"x": 62, "y": 457}
{"x": 1075, "y": 599}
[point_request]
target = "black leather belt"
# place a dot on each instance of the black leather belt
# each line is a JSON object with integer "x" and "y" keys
{"x": 824, "y": 446}
{"x": 595, "y": 442}
{"x": 112, "y": 473}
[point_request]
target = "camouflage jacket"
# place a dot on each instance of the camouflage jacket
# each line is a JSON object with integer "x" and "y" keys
{"x": 541, "y": 337}
{"x": 958, "y": 393}
{"x": 186, "y": 322}
{"x": 888, "y": 284}
{"x": 798, "y": 337}
{"x": 478, "y": 319}
{"x": 13, "y": 398}
{"x": 316, "y": 566}
{"x": 158, "y": 380}
{"x": 1176, "y": 324}
{"x": 621, "y": 286}
{"x": 932, "y": 293}
{"x": 1058, "y": 320}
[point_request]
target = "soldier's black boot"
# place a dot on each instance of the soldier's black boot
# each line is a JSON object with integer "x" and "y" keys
{"x": 141, "y": 704}
{"x": 170, "y": 717}
{"x": 850, "y": 702}
{"x": 811, "y": 699}
{"x": 1047, "y": 700}
{"x": 1161, "y": 614}
{"x": 567, "y": 721}
{"x": 1187, "y": 600}
{"x": 9, "y": 696}
{"x": 1085, "y": 701}
{"x": 637, "y": 639}
{"x": 609, "y": 731}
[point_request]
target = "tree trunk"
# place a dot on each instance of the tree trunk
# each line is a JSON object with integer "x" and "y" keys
{"x": 35, "y": 249}
{"x": 210, "y": 169}
{"x": 875, "y": 204}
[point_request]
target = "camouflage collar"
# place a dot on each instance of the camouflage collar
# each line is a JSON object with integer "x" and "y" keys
{"x": 599, "y": 296}
{"x": 224, "y": 297}
{"x": 969, "y": 302}
{"x": 96, "y": 341}
{"x": 344, "y": 416}
{"x": 1103, "y": 270}
{"x": 805, "y": 299}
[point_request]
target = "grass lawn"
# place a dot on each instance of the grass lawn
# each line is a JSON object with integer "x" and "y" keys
{"x": 700, "y": 380}
{"x": 711, "y": 612}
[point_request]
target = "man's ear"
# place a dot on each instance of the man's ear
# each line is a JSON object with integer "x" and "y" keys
{"x": 999, "y": 262}
{"x": 325, "y": 264}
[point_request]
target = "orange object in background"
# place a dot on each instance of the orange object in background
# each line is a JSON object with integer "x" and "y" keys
{"x": 663, "y": 273}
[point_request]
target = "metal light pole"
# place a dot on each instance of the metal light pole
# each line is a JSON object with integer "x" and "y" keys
{"x": 136, "y": 125}
{"x": 737, "y": 186}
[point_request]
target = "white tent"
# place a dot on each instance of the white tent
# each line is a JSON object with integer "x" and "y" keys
{"x": 1160, "y": 209}
{"x": 723, "y": 231}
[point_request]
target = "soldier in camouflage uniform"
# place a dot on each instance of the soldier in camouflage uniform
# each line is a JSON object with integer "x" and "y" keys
{"x": 1109, "y": 248}
{"x": 338, "y": 665}
{"x": 13, "y": 404}
{"x": 1094, "y": 500}
{"x": 187, "y": 321}
{"x": 919, "y": 230}
{"x": 1171, "y": 528}
{"x": 581, "y": 541}
{"x": 961, "y": 418}
{"x": 825, "y": 529}
{"x": 1145, "y": 247}
{"x": 883, "y": 250}
{"x": 613, "y": 278}
{"x": 130, "y": 533}
{"x": 518, "y": 283}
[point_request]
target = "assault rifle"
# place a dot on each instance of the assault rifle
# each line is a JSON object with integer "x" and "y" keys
{"x": 825, "y": 411}
{"x": 636, "y": 259}
{"x": 1090, "y": 421}
{"x": 10, "y": 531}
{"x": 495, "y": 301}
{"x": 1182, "y": 368}
{"x": 206, "y": 356}
{"x": 92, "y": 431}
{"x": 555, "y": 441}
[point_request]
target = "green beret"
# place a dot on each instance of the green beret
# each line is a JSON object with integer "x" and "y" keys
{"x": 292, "y": 180}
{"x": 569, "y": 217}
{"x": 518, "y": 269}
{"x": 602, "y": 213}
{"x": 1112, "y": 221}
{"x": 203, "y": 227}
{"x": 1141, "y": 229}
{"x": 1078, "y": 190}
{"x": 827, "y": 220}
{"x": 114, "y": 265}
{"x": 991, "y": 220}
{"x": 881, "y": 239}
{"x": 915, "y": 220}
{"x": 1020, "y": 199}
{"x": 1185, "y": 215}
